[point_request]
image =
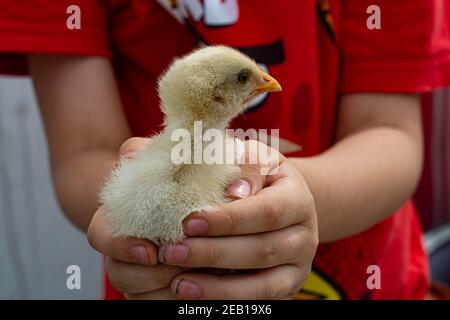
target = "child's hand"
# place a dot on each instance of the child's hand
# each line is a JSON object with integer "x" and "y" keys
{"x": 274, "y": 231}
{"x": 132, "y": 264}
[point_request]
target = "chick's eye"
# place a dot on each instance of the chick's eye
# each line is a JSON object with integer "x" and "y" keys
{"x": 243, "y": 76}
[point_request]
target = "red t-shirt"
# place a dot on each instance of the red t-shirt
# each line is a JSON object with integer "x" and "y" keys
{"x": 316, "y": 49}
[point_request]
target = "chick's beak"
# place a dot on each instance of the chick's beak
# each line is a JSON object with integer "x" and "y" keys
{"x": 269, "y": 84}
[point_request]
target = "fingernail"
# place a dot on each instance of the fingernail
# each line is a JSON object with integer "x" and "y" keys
{"x": 240, "y": 188}
{"x": 174, "y": 253}
{"x": 129, "y": 154}
{"x": 139, "y": 254}
{"x": 195, "y": 227}
{"x": 187, "y": 289}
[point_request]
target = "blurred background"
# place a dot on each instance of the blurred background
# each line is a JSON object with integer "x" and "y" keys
{"x": 37, "y": 243}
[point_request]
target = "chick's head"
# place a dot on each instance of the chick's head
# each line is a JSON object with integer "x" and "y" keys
{"x": 212, "y": 84}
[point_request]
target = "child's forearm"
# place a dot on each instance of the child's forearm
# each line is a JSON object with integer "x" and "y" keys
{"x": 363, "y": 178}
{"x": 77, "y": 182}
{"x": 85, "y": 126}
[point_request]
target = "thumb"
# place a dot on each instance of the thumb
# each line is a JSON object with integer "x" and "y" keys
{"x": 133, "y": 145}
{"x": 249, "y": 183}
{"x": 252, "y": 166}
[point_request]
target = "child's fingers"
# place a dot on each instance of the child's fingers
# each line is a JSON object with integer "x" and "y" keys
{"x": 161, "y": 294}
{"x": 124, "y": 249}
{"x": 258, "y": 251}
{"x": 135, "y": 279}
{"x": 285, "y": 202}
{"x": 133, "y": 145}
{"x": 276, "y": 283}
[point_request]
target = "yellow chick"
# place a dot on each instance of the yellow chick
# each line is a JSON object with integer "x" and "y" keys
{"x": 149, "y": 196}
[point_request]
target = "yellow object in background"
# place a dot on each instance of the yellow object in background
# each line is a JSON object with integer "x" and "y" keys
{"x": 318, "y": 288}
